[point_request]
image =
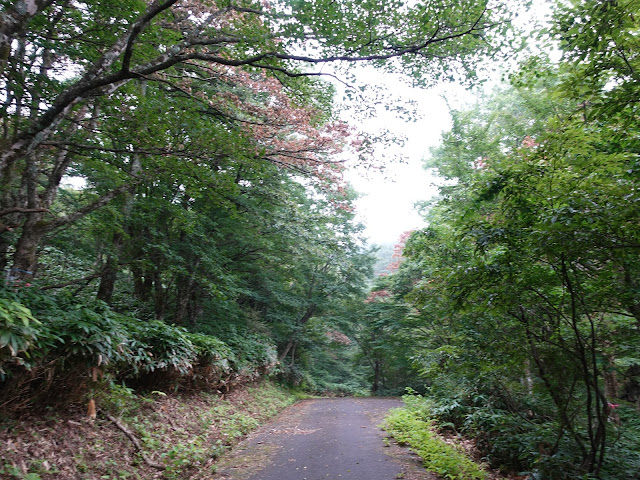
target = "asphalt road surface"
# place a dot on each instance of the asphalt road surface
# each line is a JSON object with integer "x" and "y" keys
{"x": 320, "y": 439}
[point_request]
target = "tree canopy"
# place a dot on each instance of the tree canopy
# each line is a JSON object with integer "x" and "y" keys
{"x": 181, "y": 162}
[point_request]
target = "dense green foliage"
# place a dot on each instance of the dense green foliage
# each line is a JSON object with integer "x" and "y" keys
{"x": 171, "y": 194}
{"x": 72, "y": 339}
{"x": 524, "y": 287}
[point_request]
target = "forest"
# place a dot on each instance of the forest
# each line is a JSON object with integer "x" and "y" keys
{"x": 174, "y": 215}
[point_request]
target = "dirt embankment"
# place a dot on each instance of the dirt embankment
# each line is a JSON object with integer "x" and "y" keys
{"x": 132, "y": 437}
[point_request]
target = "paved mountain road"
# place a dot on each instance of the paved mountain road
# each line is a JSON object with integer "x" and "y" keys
{"x": 323, "y": 439}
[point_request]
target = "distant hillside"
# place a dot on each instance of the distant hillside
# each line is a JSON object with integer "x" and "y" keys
{"x": 384, "y": 257}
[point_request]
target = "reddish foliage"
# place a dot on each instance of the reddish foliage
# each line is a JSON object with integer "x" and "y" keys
{"x": 529, "y": 142}
{"x": 397, "y": 251}
{"x": 377, "y": 295}
{"x": 338, "y": 337}
{"x": 284, "y": 133}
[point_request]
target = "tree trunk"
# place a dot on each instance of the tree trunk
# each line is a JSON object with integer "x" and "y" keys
{"x": 528, "y": 377}
{"x": 293, "y": 355}
{"x": 611, "y": 387}
{"x": 631, "y": 285}
{"x": 377, "y": 377}
{"x": 25, "y": 257}
{"x": 195, "y": 313}
{"x": 185, "y": 288}
{"x": 142, "y": 283}
{"x": 159, "y": 295}
{"x": 308, "y": 314}
{"x": 285, "y": 352}
{"x": 110, "y": 272}
{"x": 108, "y": 280}
{"x": 38, "y": 200}
{"x": 4, "y": 249}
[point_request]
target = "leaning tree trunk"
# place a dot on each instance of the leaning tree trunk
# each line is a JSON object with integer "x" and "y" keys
{"x": 25, "y": 258}
{"x": 308, "y": 314}
{"x": 40, "y": 196}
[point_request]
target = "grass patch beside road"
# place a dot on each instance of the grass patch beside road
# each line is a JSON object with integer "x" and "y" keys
{"x": 411, "y": 426}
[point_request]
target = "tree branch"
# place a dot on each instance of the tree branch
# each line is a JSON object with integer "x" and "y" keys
{"x": 100, "y": 202}
{"x": 155, "y": 9}
{"x": 87, "y": 279}
{"x": 8, "y": 211}
{"x": 135, "y": 442}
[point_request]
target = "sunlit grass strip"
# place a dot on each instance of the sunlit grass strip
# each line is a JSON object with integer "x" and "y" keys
{"x": 406, "y": 426}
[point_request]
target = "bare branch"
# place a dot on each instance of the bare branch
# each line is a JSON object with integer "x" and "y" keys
{"x": 135, "y": 442}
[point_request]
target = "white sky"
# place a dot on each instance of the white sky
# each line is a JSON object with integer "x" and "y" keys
{"x": 386, "y": 207}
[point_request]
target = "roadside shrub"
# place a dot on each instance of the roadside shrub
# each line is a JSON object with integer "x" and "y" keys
{"x": 517, "y": 431}
{"x": 118, "y": 399}
{"x": 214, "y": 358}
{"x": 88, "y": 337}
{"x": 68, "y": 344}
{"x": 160, "y": 347}
{"x": 18, "y": 333}
{"x": 58, "y": 347}
{"x": 253, "y": 351}
{"x": 68, "y": 330}
{"x": 212, "y": 351}
{"x": 509, "y": 441}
